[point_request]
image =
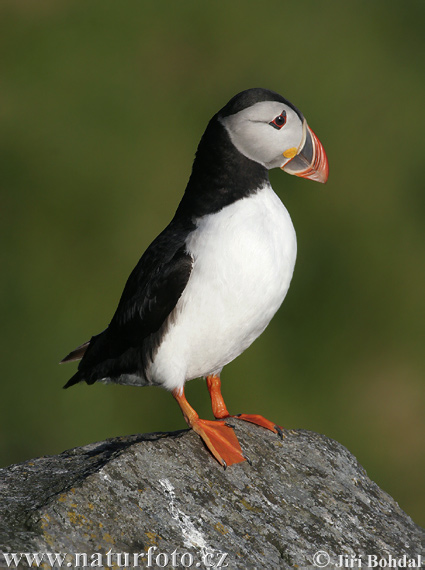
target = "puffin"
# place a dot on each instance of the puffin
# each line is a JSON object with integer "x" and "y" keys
{"x": 212, "y": 280}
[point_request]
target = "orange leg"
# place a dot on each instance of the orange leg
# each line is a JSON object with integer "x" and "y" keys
{"x": 217, "y": 436}
{"x": 218, "y": 406}
{"x": 220, "y": 410}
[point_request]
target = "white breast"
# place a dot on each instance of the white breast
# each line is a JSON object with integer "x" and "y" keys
{"x": 244, "y": 258}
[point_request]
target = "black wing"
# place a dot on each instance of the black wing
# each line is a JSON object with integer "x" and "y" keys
{"x": 150, "y": 295}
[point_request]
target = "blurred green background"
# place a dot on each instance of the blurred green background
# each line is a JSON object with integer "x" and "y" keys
{"x": 102, "y": 105}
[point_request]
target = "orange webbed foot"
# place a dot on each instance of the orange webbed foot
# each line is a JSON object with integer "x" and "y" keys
{"x": 220, "y": 410}
{"x": 221, "y": 440}
{"x": 260, "y": 421}
{"x": 218, "y": 436}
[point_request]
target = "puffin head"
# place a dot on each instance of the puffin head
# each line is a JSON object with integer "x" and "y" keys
{"x": 268, "y": 129}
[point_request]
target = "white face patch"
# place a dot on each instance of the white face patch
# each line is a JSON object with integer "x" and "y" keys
{"x": 254, "y": 137}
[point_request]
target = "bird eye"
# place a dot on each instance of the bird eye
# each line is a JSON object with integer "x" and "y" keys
{"x": 279, "y": 121}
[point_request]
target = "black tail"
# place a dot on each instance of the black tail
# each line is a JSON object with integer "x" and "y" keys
{"x": 76, "y": 354}
{"x": 74, "y": 380}
{"x": 89, "y": 359}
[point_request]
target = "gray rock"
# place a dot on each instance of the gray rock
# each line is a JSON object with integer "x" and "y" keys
{"x": 164, "y": 492}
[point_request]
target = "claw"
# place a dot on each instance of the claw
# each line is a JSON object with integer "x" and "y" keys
{"x": 279, "y": 431}
{"x": 248, "y": 460}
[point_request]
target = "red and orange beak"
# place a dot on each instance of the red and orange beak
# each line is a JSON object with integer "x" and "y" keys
{"x": 311, "y": 160}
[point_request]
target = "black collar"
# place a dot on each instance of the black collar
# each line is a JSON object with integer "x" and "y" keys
{"x": 220, "y": 175}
